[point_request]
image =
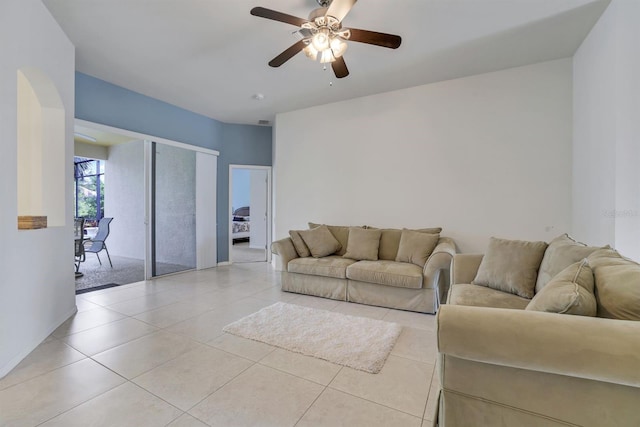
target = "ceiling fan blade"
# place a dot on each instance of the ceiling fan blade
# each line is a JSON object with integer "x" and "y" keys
{"x": 277, "y": 16}
{"x": 288, "y": 54}
{"x": 339, "y": 8}
{"x": 379, "y": 39}
{"x": 340, "y": 68}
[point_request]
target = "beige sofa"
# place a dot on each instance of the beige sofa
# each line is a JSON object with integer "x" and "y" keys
{"x": 380, "y": 280}
{"x": 501, "y": 364}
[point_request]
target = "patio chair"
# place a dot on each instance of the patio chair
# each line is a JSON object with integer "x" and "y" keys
{"x": 78, "y": 227}
{"x": 97, "y": 243}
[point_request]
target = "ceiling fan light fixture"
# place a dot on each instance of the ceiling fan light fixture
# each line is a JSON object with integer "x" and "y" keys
{"x": 338, "y": 46}
{"x": 334, "y": 48}
{"x": 311, "y": 52}
{"x": 327, "y": 56}
{"x": 320, "y": 40}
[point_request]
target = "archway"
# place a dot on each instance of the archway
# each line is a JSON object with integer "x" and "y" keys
{"x": 41, "y": 148}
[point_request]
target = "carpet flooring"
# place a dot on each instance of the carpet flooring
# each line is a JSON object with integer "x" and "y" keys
{"x": 125, "y": 270}
{"x": 357, "y": 342}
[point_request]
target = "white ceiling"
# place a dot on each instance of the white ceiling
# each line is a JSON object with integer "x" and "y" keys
{"x": 210, "y": 56}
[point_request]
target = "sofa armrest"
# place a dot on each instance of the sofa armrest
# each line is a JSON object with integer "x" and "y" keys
{"x": 286, "y": 252}
{"x": 464, "y": 267}
{"x": 440, "y": 259}
{"x": 586, "y": 347}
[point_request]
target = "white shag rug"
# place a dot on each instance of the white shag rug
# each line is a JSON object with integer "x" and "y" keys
{"x": 356, "y": 342}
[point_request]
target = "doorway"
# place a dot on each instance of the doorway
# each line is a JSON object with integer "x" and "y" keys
{"x": 160, "y": 194}
{"x": 249, "y": 213}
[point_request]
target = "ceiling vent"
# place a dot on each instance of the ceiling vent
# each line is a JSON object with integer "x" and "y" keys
{"x": 263, "y": 122}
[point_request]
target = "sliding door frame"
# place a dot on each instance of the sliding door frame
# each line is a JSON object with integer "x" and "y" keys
{"x": 203, "y": 256}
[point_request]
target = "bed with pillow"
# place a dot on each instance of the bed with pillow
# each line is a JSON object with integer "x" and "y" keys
{"x": 241, "y": 224}
{"x": 540, "y": 335}
{"x": 395, "y": 268}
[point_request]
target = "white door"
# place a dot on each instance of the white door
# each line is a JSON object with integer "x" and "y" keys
{"x": 258, "y": 208}
{"x": 206, "y": 226}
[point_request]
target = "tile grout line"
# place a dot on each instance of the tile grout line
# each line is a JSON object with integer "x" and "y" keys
{"x": 374, "y": 402}
{"x": 85, "y": 401}
{"x": 49, "y": 371}
{"x": 310, "y": 406}
{"x": 217, "y": 389}
{"x": 289, "y": 373}
{"x": 144, "y": 372}
{"x": 433, "y": 375}
{"x": 93, "y": 327}
{"x": 115, "y": 346}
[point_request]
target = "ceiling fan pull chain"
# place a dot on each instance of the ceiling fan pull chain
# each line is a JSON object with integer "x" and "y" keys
{"x": 324, "y": 68}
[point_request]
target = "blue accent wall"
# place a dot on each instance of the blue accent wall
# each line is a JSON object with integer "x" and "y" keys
{"x": 101, "y": 102}
{"x": 240, "y": 148}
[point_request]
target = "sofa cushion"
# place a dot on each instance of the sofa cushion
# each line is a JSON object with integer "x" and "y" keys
{"x": 390, "y": 241}
{"x": 390, "y": 273}
{"x": 299, "y": 244}
{"x": 617, "y": 283}
{"x": 569, "y": 292}
{"x": 416, "y": 247}
{"x": 363, "y": 244}
{"x": 340, "y": 232}
{"x": 511, "y": 266}
{"x": 560, "y": 254}
{"x": 480, "y": 296}
{"x": 329, "y": 266}
{"x": 320, "y": 241}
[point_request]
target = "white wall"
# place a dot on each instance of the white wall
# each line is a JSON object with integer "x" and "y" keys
{"x": 124, "y": 199}
{"x": 480, "y": 156}
{"x": 90, "y": 151}
{"x": 606, "y": 143}
{"x": 37, "y": 282}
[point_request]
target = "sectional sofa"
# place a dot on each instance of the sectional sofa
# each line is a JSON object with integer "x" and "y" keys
{"x": 537, "y": 335}
{"x": 396, "y": 268}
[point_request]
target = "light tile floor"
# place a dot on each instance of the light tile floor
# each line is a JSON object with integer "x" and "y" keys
{"x": 153, "y": 354}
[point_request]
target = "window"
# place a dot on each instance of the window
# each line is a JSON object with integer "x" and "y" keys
{"x": 89, "y": 189}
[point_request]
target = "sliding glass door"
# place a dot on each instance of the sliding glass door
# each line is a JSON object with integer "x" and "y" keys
{"x": 173, "y": 203}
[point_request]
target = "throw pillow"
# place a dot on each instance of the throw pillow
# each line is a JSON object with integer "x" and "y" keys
{"x": 569, "y": 292}
{"x": 320, "y": 241}
{"x": 340, "y": 232}
{"x": 511, "y": 266}
{"x": 299, "y": 244}
{"x": 416, "y": 247}
{"x": 617, "y": 281}
{"x": 561, "y": 253}
{"x": 363, "y": 244}
{"x": 390, "y": 241}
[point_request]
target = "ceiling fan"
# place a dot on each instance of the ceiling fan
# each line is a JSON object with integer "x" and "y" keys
{"x": 323, "y": 36}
